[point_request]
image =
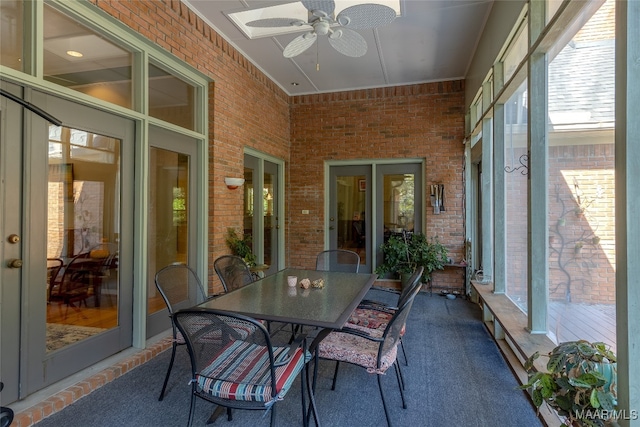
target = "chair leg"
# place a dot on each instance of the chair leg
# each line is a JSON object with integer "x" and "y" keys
{"x": 311, "y": 387}
{"x": 404, "y": 353}
{"x": 384, "y": 402}
{"x": 192, "y": 407}
{"x": 273, "y": 415}
{"x": 303, "y": 385}
{"x": 166, "y": 377}
{"x": 335, "y": 376}
{"x": 400, "y": 384}
{"x": 401, "y": 376}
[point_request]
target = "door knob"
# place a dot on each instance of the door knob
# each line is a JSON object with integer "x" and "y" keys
{"x": 13, "y": 238}
{"x": 15, "y": 263}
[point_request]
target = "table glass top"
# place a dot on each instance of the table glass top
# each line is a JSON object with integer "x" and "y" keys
{"x": 272, "y": 299}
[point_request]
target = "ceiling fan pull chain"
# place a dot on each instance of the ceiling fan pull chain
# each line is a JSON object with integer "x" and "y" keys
{"x": 317, "y": 56}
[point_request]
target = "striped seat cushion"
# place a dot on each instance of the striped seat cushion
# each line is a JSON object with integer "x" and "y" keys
{"x": 360, "y": 351}
{"x": 241, "y": 372}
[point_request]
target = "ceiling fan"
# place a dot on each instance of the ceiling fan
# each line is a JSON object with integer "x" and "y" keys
{"x": 321, "y": 22}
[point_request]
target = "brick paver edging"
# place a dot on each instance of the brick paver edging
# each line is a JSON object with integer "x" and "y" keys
{"x": 63, "y": 398}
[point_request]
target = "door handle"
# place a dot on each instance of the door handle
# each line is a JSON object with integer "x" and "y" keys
{"x": 331, "y": 227}
{"x": 14, "y": 263}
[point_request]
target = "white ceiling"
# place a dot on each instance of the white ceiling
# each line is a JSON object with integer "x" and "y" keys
{"x": 432, "y": 40}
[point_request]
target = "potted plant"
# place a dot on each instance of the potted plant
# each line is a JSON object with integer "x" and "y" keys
{"x": 580, "y": 383}
{"x": 404, "y": 253}
{"x": 241, "y": 246}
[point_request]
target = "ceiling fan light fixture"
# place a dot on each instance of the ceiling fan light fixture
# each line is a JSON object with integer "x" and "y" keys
{"x": 321, "y": 18}
{"x": 321, "y": 27}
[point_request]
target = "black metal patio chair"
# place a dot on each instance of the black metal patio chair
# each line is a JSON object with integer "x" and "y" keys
{"x": 234, "y": 363}
{"x": 234, "y": 273}
{"x": 338, "y": 260}
{"x": 363, "y": 347}
{"x": 179, "y": 287}
{"x": 375, "y": 314}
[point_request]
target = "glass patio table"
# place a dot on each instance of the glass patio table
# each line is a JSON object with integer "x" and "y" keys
{"x": 272, "y": 299}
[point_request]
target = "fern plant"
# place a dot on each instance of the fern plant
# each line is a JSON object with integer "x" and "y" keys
{"x": 403, "y": 254}
{"x": 241, "y": 246}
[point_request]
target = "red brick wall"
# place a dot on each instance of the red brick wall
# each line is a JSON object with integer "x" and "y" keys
{"x": 418, "y": 121}
{"x": 587, "y": 274}
{"x": 246, "y": 109}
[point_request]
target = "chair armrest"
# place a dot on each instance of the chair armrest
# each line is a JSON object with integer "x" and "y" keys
{"x": 300, "y": 340}
{"x": 358, "y": 333}
{"x": 370, "y": 303}
{"x": 378, "y": 306}
{"x": 388, "y": 290}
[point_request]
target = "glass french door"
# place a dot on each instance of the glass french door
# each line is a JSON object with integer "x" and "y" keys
{"x": 172, "y": 211}
{"x": 66, "y": 272}
{"x": 354, "y": 219}
{"x": 262, "y": 218}
{"x": 349, "y": 211}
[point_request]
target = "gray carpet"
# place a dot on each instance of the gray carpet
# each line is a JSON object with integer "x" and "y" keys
{"x": 456, "y": 376}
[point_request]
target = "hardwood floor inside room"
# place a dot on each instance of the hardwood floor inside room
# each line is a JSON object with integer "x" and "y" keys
{"x": 105, "y": 316}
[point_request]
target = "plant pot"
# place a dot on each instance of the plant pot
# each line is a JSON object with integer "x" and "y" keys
{"x": 610, "y": 372}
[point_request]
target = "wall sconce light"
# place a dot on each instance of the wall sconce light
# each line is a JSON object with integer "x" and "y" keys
{"x": 233, "y": 183}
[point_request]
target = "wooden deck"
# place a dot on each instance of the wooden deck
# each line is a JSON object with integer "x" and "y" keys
{"x": 592, "y": 322}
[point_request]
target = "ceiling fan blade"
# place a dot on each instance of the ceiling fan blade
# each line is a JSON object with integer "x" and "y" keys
{"x": 275, "y": 22}
{"x": 348, "y": 42}
{"x": 365, "y": 16}
{"x": 326, "y": 6}
{"x": 299, "y": 45}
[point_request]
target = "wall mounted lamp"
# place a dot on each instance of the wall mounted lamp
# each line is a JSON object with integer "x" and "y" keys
{"x": 233, "y": 183}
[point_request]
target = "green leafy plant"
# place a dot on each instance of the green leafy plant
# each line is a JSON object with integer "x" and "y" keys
{"x": 580, "y": 383}
{"x": 403, "y": 254}
{"x": 241, "y": 246}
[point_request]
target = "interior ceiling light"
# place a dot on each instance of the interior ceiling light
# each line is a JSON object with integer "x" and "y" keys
{"x": 322, "y": 22}
{"x": 75, "y": 53}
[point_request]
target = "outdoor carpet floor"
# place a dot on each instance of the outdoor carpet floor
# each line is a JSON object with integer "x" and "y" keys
{"x": 456, "y": 377}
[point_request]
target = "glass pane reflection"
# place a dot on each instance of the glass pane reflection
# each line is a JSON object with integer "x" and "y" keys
{"x": 168, "y": 216}
{"x": 399, "y": 204}
{"x": 12, "y": 40}
{"x": 79, "y": 58}
{"x": 352, "y": 214}
{"x": 82, "y": 236}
